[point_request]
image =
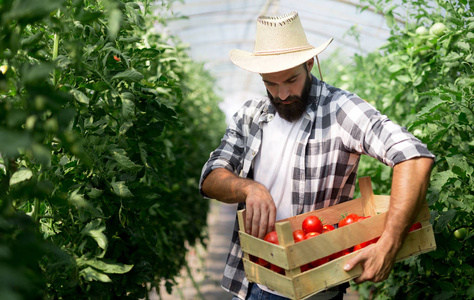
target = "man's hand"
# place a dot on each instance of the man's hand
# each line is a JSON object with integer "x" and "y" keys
{"x": 409, "y": 185}
{"x": 260, "y": 211}
{"x": 376, "y": 261}
{"x": 225, "y": 186}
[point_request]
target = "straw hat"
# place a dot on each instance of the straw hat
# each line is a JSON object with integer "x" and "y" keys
{"x": 280, "y": 44}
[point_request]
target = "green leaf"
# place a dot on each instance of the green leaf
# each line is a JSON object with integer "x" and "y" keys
{"x": 80, "y": 97}
{"x": 12, "y": 141}
{"x": 121, "y": 189}
{"x": 115, "y": 18}
{"x": 91, "y": 274}
{"x": 470, "y": 292}
{"x": 404, "y": 78}
{"x": 431, "y": 106}
{"x": 128, "y": 108}
{"x": 121, "y": 157}
{"x": 95, "y": 230}
{"x": 444, "y": 219}
{"x": 463, "y": 45}
{"x": 110, "y": 268}
{"x": 395, "y": 68}
{"x": 441, "y": 178}
{"x": 21, "y": 175}
{"x": 130, "y": 75}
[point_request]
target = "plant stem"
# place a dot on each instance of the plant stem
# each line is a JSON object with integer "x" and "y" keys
{"x": 55, "y": 54}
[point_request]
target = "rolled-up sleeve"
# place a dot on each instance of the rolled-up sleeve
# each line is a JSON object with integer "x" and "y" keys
{"x": 367, "y": 131}
{"x": 229, "y": 153}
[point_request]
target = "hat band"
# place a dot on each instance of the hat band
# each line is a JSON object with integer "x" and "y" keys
{"x": 282, "y": 51}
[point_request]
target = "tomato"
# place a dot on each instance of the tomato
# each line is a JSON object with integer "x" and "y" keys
{"x": 437, "y": 29}
{"x": 319, "y": 262}
{"x": 415, "y": 226}
{"x": 339, "y": 254}
{"x": 422, "y": 30}
{"x": 298, "y": 235}
{"x": 271, "y": 237}
{"x": 305, "y": 268}
{"x": 263, "y": 263}
{"x": 310, "y": 235}
{"x": 327, "y": 228}
{"x": 312, "y": 224}
{"x": 116, "y": 58}
{"x": 350, "y": 218}
{"x": 460, "y": 233}
{"x": 277, "y": 269}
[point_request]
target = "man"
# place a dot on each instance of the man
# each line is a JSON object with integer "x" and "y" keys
{"x": 298, "y": 150}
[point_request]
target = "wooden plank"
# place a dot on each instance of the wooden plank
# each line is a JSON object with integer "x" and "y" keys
{"x": 417, "y": 242}
{"x": 270, "y": 279}
{"x": 328, "y": 215}
{"x": 272, "y": 253}
{"x": 241, "y": 218}
{"x": 285, "y": 238}
{"x": 324, "y": 277}
{"x": 367, "y": 194}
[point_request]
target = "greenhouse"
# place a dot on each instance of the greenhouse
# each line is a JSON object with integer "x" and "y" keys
{"x": 145, "y": 154}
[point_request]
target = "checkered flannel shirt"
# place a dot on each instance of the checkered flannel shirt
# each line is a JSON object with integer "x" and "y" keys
{"x": 338, "y": 127}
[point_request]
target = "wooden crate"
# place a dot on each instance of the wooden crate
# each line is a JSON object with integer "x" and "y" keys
{"x": 290, "y": 256}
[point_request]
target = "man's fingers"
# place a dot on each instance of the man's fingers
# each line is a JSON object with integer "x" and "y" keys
{"x": 248, "y": 219}
{"x": 255, "y": 222}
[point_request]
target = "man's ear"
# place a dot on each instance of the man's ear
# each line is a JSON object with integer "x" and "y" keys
{"x": 310, "y": 64}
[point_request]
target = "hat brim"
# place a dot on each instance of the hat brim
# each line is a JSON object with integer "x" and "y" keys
{"x": 273, "y": 63}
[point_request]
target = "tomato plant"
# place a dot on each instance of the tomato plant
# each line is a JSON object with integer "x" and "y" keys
{"x": 431, "y": 82}
{"x": 99, "y": 158}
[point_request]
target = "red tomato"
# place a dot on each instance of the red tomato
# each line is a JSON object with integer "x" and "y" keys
{"x": 339, "y": 254}
{"x": 312, "y": 224}
{"x": 327, "y": 228}
{"x": 277, "y": 269}
{"x": 305, "y": 268}
{"x": 350, "y": 218}
{"x": 310, "y": 235}
{"x": 298, "y": 235}
{"x": 319, "y": 262}
{"x": 271, "y": 237}
{"x": 415, "y": 226}
{"x": 263, "y": 263}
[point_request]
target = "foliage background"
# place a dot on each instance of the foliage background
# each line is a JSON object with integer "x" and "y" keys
{"x": 104, "y": 127}
{"x": 425, "y": 82}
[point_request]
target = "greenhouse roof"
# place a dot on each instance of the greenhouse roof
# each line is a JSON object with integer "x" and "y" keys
{"x": 213, "y": 28}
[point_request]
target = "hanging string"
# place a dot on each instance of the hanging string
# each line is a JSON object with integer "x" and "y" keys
{"x": 319, "y": 68}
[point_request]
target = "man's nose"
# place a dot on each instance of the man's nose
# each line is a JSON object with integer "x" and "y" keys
{"x": 283, "y": 92}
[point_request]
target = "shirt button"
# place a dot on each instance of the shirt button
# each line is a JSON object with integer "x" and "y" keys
{"x": 253, "y": 153}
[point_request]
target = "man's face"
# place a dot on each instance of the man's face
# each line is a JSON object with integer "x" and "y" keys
{"x": 288, "y": 91}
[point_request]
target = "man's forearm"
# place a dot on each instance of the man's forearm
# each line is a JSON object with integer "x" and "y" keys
{"x": 409, "y": 185}
{"x": 225, "y": 186}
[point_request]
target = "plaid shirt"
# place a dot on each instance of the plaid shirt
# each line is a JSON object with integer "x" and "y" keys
{"x": 338, "y": 127}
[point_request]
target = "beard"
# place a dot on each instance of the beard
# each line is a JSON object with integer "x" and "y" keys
{"x": 294, "y": 110}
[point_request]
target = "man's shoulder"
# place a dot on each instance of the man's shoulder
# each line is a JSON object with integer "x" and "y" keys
{"x": 255, "y": 106}
{"x": 332, "y": 95}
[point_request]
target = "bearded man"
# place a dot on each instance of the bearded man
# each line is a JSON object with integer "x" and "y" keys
{"x": 298, "y": 150}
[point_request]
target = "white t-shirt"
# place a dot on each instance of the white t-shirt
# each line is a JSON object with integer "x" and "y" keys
{"x": 274, "y": 164}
